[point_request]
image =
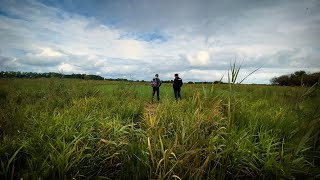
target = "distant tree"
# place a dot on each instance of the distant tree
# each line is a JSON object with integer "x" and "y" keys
{"x": 298, "y": 78}
{"x": 218, "y": 82}
{"x": 18, "y": 74}
{"x": 300, "y": 73}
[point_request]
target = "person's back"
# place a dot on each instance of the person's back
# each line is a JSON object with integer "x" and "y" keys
{"x": 177, "y": 83}
{"x": 156, "y": 83}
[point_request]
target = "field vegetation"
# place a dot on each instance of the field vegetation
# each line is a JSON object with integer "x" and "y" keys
{"x": 78, "y": 129}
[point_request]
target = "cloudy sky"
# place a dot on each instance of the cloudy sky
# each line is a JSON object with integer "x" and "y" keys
{"x": 135, "y": 39}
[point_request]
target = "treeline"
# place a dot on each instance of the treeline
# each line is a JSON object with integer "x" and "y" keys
{"x": 298, "y": 78}
{"x": 18, "y": 74}
{"x": 206, "y": 82}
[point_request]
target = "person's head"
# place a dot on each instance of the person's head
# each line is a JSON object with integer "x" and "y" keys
{"x": 176, "y": 75}
{"x": 157, "y": 75}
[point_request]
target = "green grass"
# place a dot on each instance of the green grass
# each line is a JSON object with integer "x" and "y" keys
{"x": 64, "y": 129}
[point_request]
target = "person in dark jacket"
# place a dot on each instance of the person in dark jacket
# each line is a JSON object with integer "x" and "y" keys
{"x": 156, "y": 83}
{"x": 177, "y": 83}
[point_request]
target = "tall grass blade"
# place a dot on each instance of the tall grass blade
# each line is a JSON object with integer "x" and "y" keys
{"x": 303, "y": 141}
{"x": 249, "y": 74}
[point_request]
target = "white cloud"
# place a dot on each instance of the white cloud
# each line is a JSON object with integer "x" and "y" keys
{"x": 199, "y": 58}
{"x": 42, "y": 56}
{"x": 48, "y": 52}
{"x": 68, "y": 68}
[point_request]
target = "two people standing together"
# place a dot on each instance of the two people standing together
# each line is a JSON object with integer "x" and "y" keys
{"x": 156, "y": 83}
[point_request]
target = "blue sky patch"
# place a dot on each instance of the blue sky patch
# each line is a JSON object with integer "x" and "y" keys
{"x": 152, "y": 37}
{"x": 148, "y": 37}
{"x": 9, "y": 15}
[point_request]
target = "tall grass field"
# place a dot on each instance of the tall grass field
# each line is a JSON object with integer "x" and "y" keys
{"x": 81, "y": 129}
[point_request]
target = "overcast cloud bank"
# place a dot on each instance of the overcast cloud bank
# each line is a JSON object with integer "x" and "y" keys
{"x": 136, "y": 39}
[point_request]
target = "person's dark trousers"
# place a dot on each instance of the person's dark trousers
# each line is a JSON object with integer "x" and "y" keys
{"x": 154, "y": 90}
{"x": 177, "y": 94}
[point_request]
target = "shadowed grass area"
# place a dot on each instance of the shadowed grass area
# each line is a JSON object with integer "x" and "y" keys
{"x": 64, "y": 129}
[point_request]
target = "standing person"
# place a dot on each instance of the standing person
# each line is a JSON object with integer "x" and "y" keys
{"x": 177, "y": 83}
{"x": 156, "y": 83}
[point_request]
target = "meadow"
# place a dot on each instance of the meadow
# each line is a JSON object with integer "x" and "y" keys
{"x": 80, "y": 129}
